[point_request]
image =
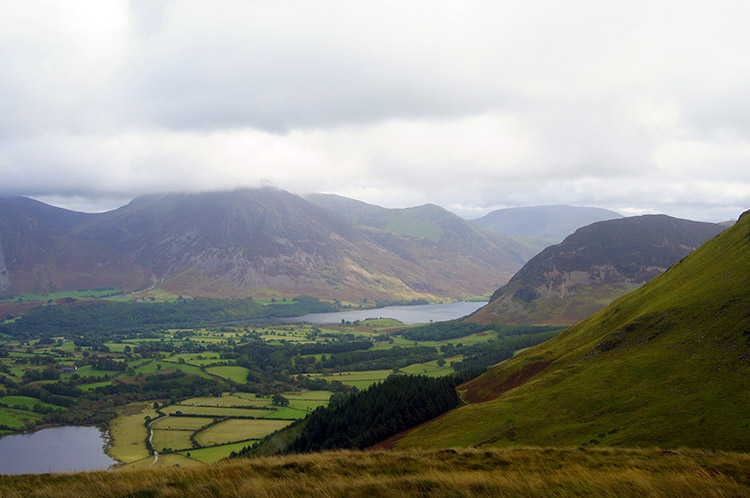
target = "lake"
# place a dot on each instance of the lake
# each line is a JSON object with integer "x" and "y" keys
{"x": 423, "y": 313}
{"x": 57, "y": 449}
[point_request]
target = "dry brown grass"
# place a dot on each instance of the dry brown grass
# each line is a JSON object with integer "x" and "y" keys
{"x": 503, "y": 472}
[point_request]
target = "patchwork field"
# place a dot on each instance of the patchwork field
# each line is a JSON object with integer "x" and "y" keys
{"x": 183, "y": 369}
{"x": 238, "y": 429}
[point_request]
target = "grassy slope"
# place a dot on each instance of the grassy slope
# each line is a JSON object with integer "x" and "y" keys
{"x": 667, "y": 365}
{"x": 463, "y": 473}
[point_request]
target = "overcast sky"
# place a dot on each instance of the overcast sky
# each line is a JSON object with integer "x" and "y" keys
{"x": 636, "y": 106}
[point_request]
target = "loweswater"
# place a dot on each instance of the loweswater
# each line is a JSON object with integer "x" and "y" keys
{"x": 57, "y": 449}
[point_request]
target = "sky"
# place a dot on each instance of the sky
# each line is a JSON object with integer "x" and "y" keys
{"x": 636, "y": 106}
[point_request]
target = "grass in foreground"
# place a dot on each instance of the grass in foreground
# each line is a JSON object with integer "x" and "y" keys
{"x": 498, "y": 472}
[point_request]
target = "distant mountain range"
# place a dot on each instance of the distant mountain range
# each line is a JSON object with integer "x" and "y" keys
{"x": 429, "y": 235}
{"x": 542, "y": 226}
{"x": 665, "y": 366}
{"x": 569, "y": 281}
{"x": 267, "y": 242}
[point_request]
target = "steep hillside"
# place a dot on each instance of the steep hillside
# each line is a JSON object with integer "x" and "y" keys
{"x": 569, "y": 281}
{"x": 39, "y": 257}
{"x": 267, "y": 241}
{"x": 667, "y": 365}
{"x": 550, "y": 224}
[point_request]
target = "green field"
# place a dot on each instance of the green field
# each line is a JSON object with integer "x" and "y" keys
{"x": 254, "y": 399}
{"x": 226, "y": 399}
{"x": 215, "y": 453}
{"x": 16, "y": 418}
{"x": 64, "y": 294}
{"x": 180, "y": 423}
{"x": 288, "y": 414}
{"x": 158, "y": 295}
{"x": 89, "y": 371}
{"x": 25, "y": 401}
{"x": 188, "y": 369}
{"x": 128, "y": 432}
{"x": 176, "y": 440}
{"x": 217, "y": 411}
{"x": 117, "y": 347}
{"x": 192, "y": 357}
{"x": 233, "y": 373}
{"x": 431, "y": 368}
{"x": 239, "y": 429}
{"x": 360, "y": 380}
{"x": 308, "y": 400}
{"x": 160, "y": 365}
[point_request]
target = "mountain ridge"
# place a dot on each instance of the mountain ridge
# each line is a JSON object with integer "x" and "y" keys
{"x": 270, "y": 241}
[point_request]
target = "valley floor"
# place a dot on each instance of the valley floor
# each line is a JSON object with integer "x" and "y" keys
{"x": 465, "y": 472}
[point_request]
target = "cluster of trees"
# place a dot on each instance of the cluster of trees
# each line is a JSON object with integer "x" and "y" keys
{"x": 91, "y": 318}
{"x": 379, "y": 359}
{"x": 441, "y": 331}
{"x": 494, "y": 352}
{"x": 368, "y": 417}
{"x": 334, "y": 347}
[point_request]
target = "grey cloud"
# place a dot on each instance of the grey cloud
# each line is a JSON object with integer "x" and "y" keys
{"x": 277, "y": 88}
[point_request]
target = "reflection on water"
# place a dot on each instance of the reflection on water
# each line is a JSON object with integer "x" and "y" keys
{"x": 58, "y": 449}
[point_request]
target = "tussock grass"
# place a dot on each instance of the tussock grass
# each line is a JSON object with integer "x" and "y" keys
{"x": 456, "y": 473}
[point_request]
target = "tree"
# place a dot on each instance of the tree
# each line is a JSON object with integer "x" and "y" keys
{"x": 279, "y": 400}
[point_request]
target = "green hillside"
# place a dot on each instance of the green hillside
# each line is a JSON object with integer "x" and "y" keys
{"x": 667, "y": 365}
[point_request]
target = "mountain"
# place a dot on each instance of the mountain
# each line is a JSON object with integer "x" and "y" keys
{"x": 431, "y": 233}
{"x": 64, "y": 218}
{"x": 546, "y": 224}
{"x": 667, "y": 365}
{"x": 39, "y": 257}
{"x": 569, "y": 281}
{"x": 267, "y": 241}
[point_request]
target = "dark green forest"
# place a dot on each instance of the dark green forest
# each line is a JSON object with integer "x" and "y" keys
{"x": 363, "y": 419}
